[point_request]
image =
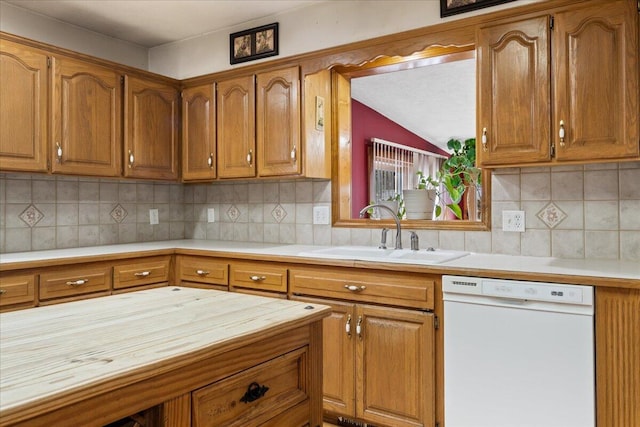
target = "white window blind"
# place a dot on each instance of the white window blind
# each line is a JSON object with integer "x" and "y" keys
{"x": 393, "y": 167}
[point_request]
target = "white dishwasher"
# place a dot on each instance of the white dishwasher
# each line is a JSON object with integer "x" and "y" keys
{"x": 517, "y": 354}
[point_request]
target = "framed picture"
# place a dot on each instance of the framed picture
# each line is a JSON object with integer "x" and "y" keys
{"x": 452, "y": 7}
{"x": 255, "y": 43}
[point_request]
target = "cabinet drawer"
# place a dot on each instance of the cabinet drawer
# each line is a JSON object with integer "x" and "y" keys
{"x": 229, "y": 402}
{"x": 75, "y": 281}
{"x": 17, "y": 289}
{"x": 259, "y": 276}
{"x": 382, "y": 287}
{"x": 197, "y": 269}
{"x": 144, "y": 271}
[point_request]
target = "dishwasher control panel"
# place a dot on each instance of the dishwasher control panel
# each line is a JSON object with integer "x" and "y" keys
{"x": 516, "y": 289}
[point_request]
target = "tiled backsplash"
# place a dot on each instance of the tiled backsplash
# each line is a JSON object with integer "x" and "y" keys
{"x": 590, "y": 211}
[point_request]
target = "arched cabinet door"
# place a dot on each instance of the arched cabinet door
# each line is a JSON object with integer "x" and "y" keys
{"x": 23, "y": 108}
{"x": 278, "y": 122}
{"x": 199, "y": 133}
{"x": 595, "y": 67}
{"x": 236, "y": 128}
{"x": 514, "y": 92}
{"x": 151, "y": 129}
{"x": 560, "y": 87}
{"x": 86, "y": 118}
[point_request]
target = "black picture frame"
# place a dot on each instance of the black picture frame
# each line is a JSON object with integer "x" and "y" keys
{"x": 453, "y": 7}
{"x": 254, "y": 43}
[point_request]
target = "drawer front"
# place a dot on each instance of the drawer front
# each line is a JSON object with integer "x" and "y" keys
{"x": 382, "y": 287}
{"x": 141, "y": 272}
{"x": 259, "y": 276}
{"x": 17, "y": 289}
{"x": 255, "y": 395}
{"x": 202, "y": 270}
{"x": 76, "y": 281}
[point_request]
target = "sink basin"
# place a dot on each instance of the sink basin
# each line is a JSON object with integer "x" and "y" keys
{"x": 368, "y": 253}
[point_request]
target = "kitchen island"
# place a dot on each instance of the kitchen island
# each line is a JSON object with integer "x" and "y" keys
{"x": 205, "y": 357}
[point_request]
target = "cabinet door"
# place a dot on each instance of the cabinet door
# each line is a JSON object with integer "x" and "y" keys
{"x": 199, "y": 133}
{"x": 596, "y": 82}
{"x": 395, "y": 366}
{"x": 23, "y": 108}
{"x": 338, "y": 357}
{"x": 236, "y": 128}
{"x": 278, "y": 122}
{"x": 86, "y": 109}
{"x": 514, "y": 92}
{"x": 151, "y": 129}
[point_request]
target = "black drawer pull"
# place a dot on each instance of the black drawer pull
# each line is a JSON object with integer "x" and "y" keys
{"x": 254, "y": 392}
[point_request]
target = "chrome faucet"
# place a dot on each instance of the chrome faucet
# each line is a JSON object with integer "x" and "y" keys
{"x": 393, "y": 215}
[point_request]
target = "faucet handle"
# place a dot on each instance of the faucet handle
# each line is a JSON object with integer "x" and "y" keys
{"x": 415, "y": 245}
{"x": 383, "y": 239}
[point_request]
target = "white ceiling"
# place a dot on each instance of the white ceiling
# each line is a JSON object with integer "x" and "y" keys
{"x": 435, "y": 102}
{"x": 151, "y": 23}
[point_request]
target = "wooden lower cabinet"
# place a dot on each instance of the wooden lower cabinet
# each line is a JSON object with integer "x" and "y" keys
{"x": 17, "y": 291}
{"x": 378, "y": 364}
{"x": 617, "y": 357}
{"x": 141, "y": 273}
{"x": 201, "y": 272}
{"x": 68, "y": 283}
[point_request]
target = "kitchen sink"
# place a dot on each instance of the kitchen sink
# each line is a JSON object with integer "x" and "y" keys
{"x": 368, "y": 253}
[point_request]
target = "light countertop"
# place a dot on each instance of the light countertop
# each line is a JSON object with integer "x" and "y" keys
{"x": 609, "y": 269}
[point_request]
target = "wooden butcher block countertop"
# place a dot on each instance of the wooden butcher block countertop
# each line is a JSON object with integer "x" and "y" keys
{"x": 64, "y": 353}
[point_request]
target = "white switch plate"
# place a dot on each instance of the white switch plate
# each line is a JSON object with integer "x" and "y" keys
{"x": 153, "y": 217}
{"x": 513, "y": 221}
{"x": 211, "y": 215}
{"x": 321, "y": 215}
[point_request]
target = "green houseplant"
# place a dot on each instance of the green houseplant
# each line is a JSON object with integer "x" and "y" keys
{"x": 457, "y": 175}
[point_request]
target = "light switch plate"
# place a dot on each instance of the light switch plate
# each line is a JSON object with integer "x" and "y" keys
{"x": 211, "y": 215}
{"x": 513, "y": 221}
{"x": 321, "y": 215}
{"x": 153, "y": 217}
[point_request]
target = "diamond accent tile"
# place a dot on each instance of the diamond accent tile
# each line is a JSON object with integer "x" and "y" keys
{"x": 31, "y": 216}
{"x": 551, "y": 215}
{"x": 278, "y": 213}
{"x": 119, "y": 213}
{"x": 233, "y": 213}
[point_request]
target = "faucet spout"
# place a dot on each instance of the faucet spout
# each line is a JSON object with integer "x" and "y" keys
{"x": 393, "y": 215}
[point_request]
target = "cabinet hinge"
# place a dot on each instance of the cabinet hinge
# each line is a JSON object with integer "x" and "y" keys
{"x": 553, "y": 150}
{"x": 436, "y": 322}
{"x": 551, "y": 22}
{"x": 437, "y": 424}
{"x": 48, "y": 62}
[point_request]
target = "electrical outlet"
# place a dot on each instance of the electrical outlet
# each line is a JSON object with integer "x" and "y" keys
{"x": 153, "y": 217}
{"x": 321, "y": 215}
{"x": 513, "y": 221}
{"x": 211, "y": 215}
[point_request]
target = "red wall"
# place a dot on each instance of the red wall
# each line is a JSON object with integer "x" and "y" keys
{"x": 366, "y": 124}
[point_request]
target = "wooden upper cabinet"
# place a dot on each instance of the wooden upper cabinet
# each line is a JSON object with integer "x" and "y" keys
{"x": 278, "y": 122}
{"x": 588, "y": 56}
{"x": 236, "y": 128}
{"x": 199, "y": 133}
{"x": 151, "y": 129}
{"x": 23, "y": 108}
{"x": 596, "y": 82}
{"x": 514, "y": 92}
{"x": 86, "y": 118}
